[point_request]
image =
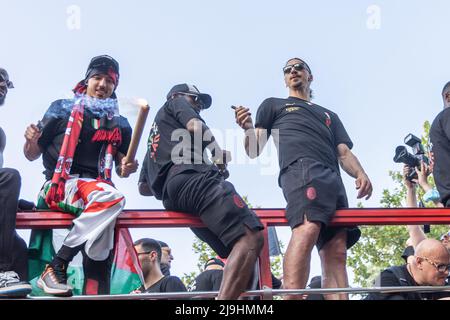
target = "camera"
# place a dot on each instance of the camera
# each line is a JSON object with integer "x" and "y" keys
{"x": 413, "y": 159}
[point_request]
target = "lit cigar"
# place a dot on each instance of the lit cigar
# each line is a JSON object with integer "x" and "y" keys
{"x": 138, "y": 129}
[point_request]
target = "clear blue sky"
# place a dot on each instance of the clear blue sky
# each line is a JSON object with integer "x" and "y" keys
{"x": 380, "y": 68}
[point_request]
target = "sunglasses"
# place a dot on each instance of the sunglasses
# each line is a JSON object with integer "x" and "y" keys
{"x": 6, "y": 83}
{"x": 445, "y": 236}
{"x": 146, "y": 252}
{"x": 298, "y": 67}
{"x": 440, "y": 267}
{"x": 194, "y": 97}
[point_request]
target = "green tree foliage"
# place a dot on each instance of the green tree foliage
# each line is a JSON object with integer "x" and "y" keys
{"x": 382, "y": 246}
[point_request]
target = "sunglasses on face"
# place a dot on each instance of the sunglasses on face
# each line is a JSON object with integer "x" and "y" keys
{"x": 6, "y": 83}
{"x": 194, "y": 97}
{"x": 440, "y": 267}
{"x": 445, "y": 236}
{"x": 298, "y": 67}
{"x": 145, "y": 252}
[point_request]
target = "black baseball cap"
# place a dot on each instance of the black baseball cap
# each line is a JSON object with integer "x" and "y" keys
{"x": 191, "y": 89}
{"x": 214, "y": 261}
{"x": 103, "y": 64}
{"x": 315, "y": 283}
{"x": 163, "y": 244}
{"x": 5, "y": 77}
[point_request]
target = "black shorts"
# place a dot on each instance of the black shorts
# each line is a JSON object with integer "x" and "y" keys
{"x": 314, "y": 190}
{"x": 214, "y": 200}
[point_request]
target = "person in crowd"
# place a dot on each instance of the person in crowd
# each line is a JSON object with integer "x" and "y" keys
{"x": 311, "y": 141}
{"x": 166, "y": 258}
{"x": 79, "y": 139}
{"x": 211, "y": 277}
{"x": 429, "y": 267}
{"x": 150, "y": 254}
{"x": 416, "y": 233}
{"x": 440, "y": 148}
{"x": 177, "y": 171}
{"x": 13, "y": 249}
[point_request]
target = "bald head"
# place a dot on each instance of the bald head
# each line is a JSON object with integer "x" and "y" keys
{"x": 430, "y": 264}
{"x": 432, "y": 249}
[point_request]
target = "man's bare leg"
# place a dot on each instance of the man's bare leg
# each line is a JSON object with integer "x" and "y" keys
{"x": 333, "y": 256}
{"x": 296, "y": 264}
{"x": 240, "y": 265}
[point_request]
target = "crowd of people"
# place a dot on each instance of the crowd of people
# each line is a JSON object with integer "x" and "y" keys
{"x": 81, "y": 139}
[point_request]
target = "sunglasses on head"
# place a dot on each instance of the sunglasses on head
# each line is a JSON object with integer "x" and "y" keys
{"x": 298, "y": 67}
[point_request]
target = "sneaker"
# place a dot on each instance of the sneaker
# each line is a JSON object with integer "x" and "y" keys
{"x": 12, "y": 287}
{"x": 54, "y": 281}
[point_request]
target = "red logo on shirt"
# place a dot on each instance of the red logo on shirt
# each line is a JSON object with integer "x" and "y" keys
{"x": 238, "y": 201}
{"x": 328, "y": 119}
{"x": 311, "y": 193}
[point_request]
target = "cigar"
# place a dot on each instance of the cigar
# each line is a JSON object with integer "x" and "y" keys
{"x": 233, "y": 107}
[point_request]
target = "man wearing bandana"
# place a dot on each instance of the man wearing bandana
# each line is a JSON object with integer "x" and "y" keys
{"x": 13, "y": 250}
{"x": 78, "y": 139}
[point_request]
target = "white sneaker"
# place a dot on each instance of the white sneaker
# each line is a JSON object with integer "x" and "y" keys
{"x": 12, "y": 287}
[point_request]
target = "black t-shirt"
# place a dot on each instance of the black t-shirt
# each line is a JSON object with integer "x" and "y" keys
{"x": 208, "y": 280}
{"x": 306, "y": 130}
{"x": 170, "y": 144}
{"x": 399, "y": 276}
{"x": 166, "y": 284}
{"x": 389, "y": 278}
{"x": 440, "y": 139}
{"x": 86, "y": 157}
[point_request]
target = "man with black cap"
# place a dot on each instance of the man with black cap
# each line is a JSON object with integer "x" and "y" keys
{"x": 311, "y": 143}
{"x": 13, "y": 250}
{"x": 177, "y": 171}
{"x": 79, "y": 138}
{"x": 211, "y": 277}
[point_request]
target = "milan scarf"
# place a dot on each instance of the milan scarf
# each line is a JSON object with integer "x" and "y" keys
{"x": 108, "y": 133}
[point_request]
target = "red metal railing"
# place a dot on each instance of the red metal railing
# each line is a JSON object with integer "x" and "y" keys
{"x": 269, "y": 217}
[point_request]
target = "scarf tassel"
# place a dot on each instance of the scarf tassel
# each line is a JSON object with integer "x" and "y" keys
{"x": 56, "y": 193}
{"x": 51, "y": 194}
{"x": 60, "y": 192}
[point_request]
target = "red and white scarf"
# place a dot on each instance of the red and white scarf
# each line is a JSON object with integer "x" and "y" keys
{"x": 109, "y": 134}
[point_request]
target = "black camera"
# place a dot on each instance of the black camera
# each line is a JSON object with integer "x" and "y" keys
{"x": 414, "y": 159}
